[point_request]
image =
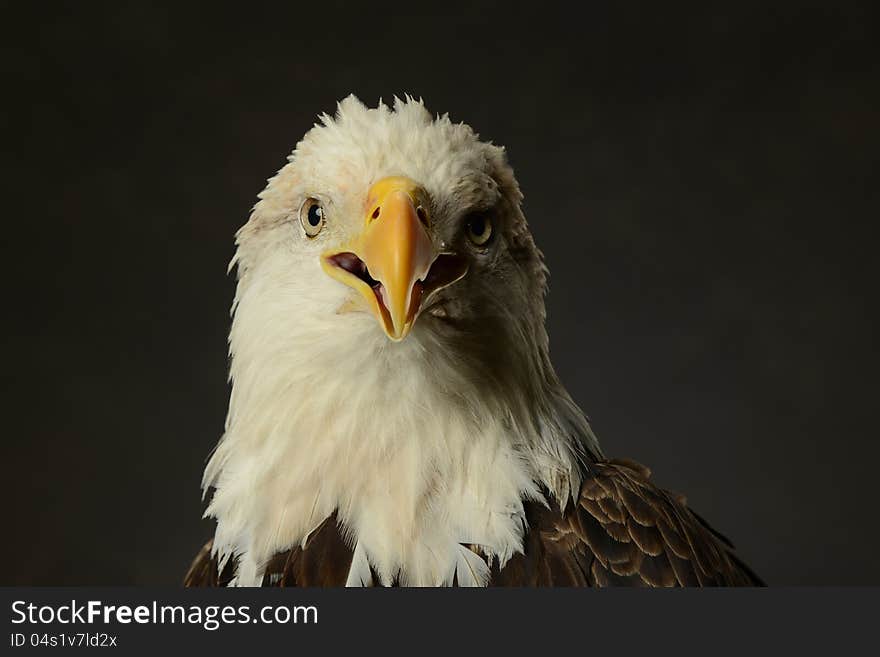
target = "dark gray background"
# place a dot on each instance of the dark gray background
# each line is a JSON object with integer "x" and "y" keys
{"x": 700, "y": 180}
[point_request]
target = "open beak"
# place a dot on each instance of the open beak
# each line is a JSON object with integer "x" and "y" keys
{"x": 393, "y": 263}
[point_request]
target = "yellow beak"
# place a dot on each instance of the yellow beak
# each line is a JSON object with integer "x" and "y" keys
{"x": 389, "y": 262}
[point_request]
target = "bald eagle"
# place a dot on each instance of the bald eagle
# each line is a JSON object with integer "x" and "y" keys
{"x": 395, "y": 418}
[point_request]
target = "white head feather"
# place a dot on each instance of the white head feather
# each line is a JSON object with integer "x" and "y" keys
{"x": 422, "y": 445}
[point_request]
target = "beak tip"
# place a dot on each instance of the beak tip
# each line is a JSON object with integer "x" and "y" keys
{"x": 398, "y": 334}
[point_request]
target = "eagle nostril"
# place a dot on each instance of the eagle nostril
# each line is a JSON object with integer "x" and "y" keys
{"x": 423, "y": 215}
{"x": 375, "y": 214}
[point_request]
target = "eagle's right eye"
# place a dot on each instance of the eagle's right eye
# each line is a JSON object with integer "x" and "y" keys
{"x": 311, "y": 216}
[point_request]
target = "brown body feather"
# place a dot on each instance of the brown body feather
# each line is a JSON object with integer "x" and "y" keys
{"x": 624, "y": 531}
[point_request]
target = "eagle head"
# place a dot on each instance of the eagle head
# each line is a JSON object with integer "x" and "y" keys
{"x": 388, "y": 339}
{"x": 389, "y": 225}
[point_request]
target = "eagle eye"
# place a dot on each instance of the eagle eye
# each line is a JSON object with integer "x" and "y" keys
{"x": 479, "y": 228}
{"x": 311, "y": 216}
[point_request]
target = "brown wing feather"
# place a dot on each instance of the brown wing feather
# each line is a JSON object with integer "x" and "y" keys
{"x": 624, "y": 531}
{"x": 203, "y": 570}
{"x": 324, "y": 561}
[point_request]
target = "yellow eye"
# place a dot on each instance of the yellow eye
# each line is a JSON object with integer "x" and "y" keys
{"x": 479, "y": 228}
{"x": 311, "y": 216}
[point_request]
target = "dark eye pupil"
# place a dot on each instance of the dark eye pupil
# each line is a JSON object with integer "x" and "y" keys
{"x": 315, "y": 215}
{"x": 478, "y": 225}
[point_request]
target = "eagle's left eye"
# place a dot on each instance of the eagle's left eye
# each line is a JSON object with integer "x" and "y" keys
{"x": 311, "y": 216}
{"x": 479, "y": 228}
